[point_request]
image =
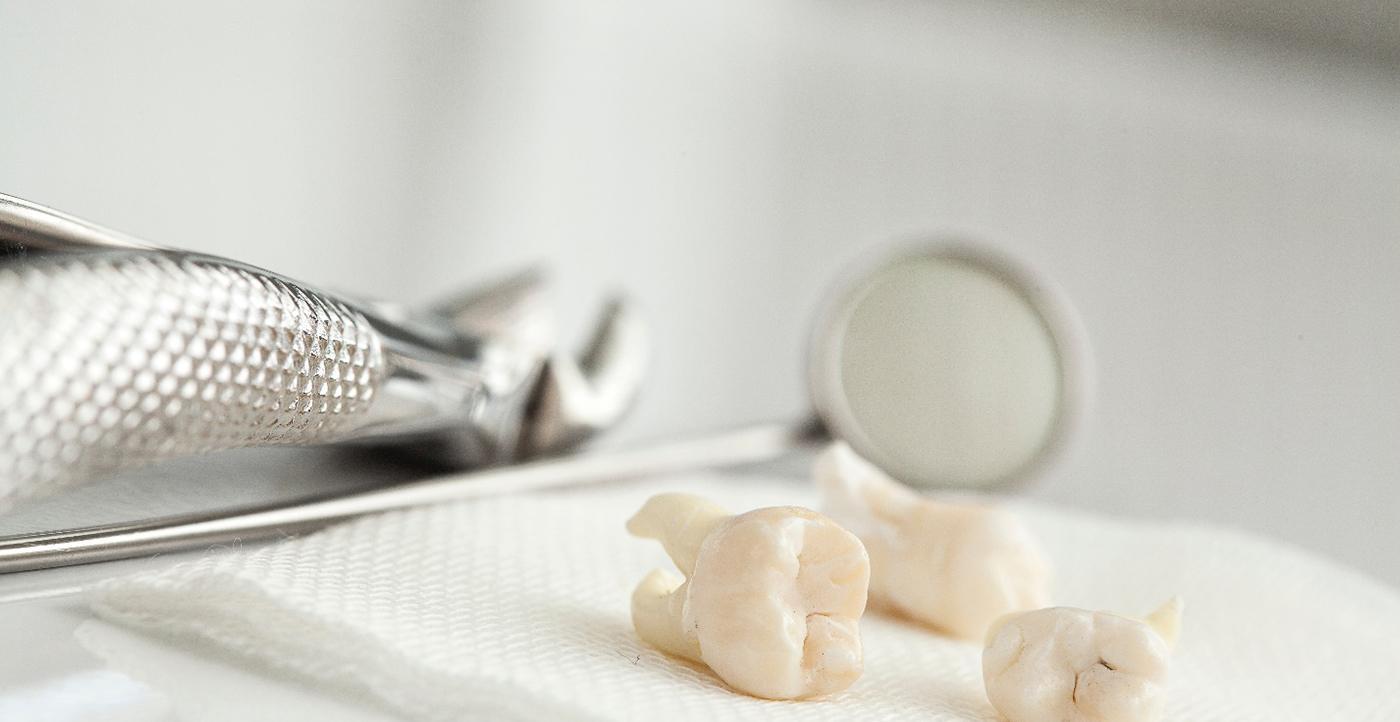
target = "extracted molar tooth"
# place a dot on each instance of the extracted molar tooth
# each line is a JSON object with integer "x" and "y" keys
{"x": 956, "y": 567}
{"x": 1071, "y": 665}
{"x": 771, "y": 601}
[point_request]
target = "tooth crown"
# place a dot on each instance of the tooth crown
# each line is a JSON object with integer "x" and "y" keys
{"x": 773, "y": 600}
{"x": 956, "y": 567}
{"x": 1072, "y": 665}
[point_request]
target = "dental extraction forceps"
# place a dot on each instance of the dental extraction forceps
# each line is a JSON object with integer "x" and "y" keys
{"x": 115, "y": 354}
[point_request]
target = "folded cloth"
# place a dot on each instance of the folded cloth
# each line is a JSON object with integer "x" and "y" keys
{"x": 517, "y": 608}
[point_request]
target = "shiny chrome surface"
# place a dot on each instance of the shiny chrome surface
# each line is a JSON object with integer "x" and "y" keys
{"x": 120, "y": 541}
{"x": 576, "y": 400}
{"x": 115, "y": 354}
{"x": 29, "y": 229}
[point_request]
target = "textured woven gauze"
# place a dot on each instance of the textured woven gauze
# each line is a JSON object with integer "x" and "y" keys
{"x": 516, "y": 608}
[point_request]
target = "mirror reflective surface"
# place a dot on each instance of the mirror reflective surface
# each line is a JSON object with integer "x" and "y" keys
{"x": 948, "y": 366}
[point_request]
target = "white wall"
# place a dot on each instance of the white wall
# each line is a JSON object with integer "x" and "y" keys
{"x": 1225, "y": 214}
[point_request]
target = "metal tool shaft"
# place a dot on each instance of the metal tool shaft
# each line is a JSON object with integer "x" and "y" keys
{"x": 121, "y": 541}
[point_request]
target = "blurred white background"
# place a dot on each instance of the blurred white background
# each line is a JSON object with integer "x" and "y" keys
{"x": 1217, "y": 190}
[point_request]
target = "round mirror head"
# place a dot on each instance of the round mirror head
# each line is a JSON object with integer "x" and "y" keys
{"x": 948, "y": 366}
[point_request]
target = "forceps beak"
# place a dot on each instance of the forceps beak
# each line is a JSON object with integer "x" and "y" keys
{"x": 576, "y": 397}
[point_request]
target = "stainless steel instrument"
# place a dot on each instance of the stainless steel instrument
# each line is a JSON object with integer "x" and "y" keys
{"x": 116, "y": 353}
{"x": 945, "y": 364}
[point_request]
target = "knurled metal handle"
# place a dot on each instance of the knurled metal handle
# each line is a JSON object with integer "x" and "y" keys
{"x": 111, "y": 360}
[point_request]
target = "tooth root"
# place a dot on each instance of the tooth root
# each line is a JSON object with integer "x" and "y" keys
{"x": 577, "y": 398}
{"x": 839, "y": 481}
{"x": 680, "y": 522}
{"x": 657, "y": 613}
{"x": 855, "y": 486}
{"x": 1166, "y": 621}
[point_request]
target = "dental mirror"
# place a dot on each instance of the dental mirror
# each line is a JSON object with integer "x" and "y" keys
{"x": 948, "y": 365}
